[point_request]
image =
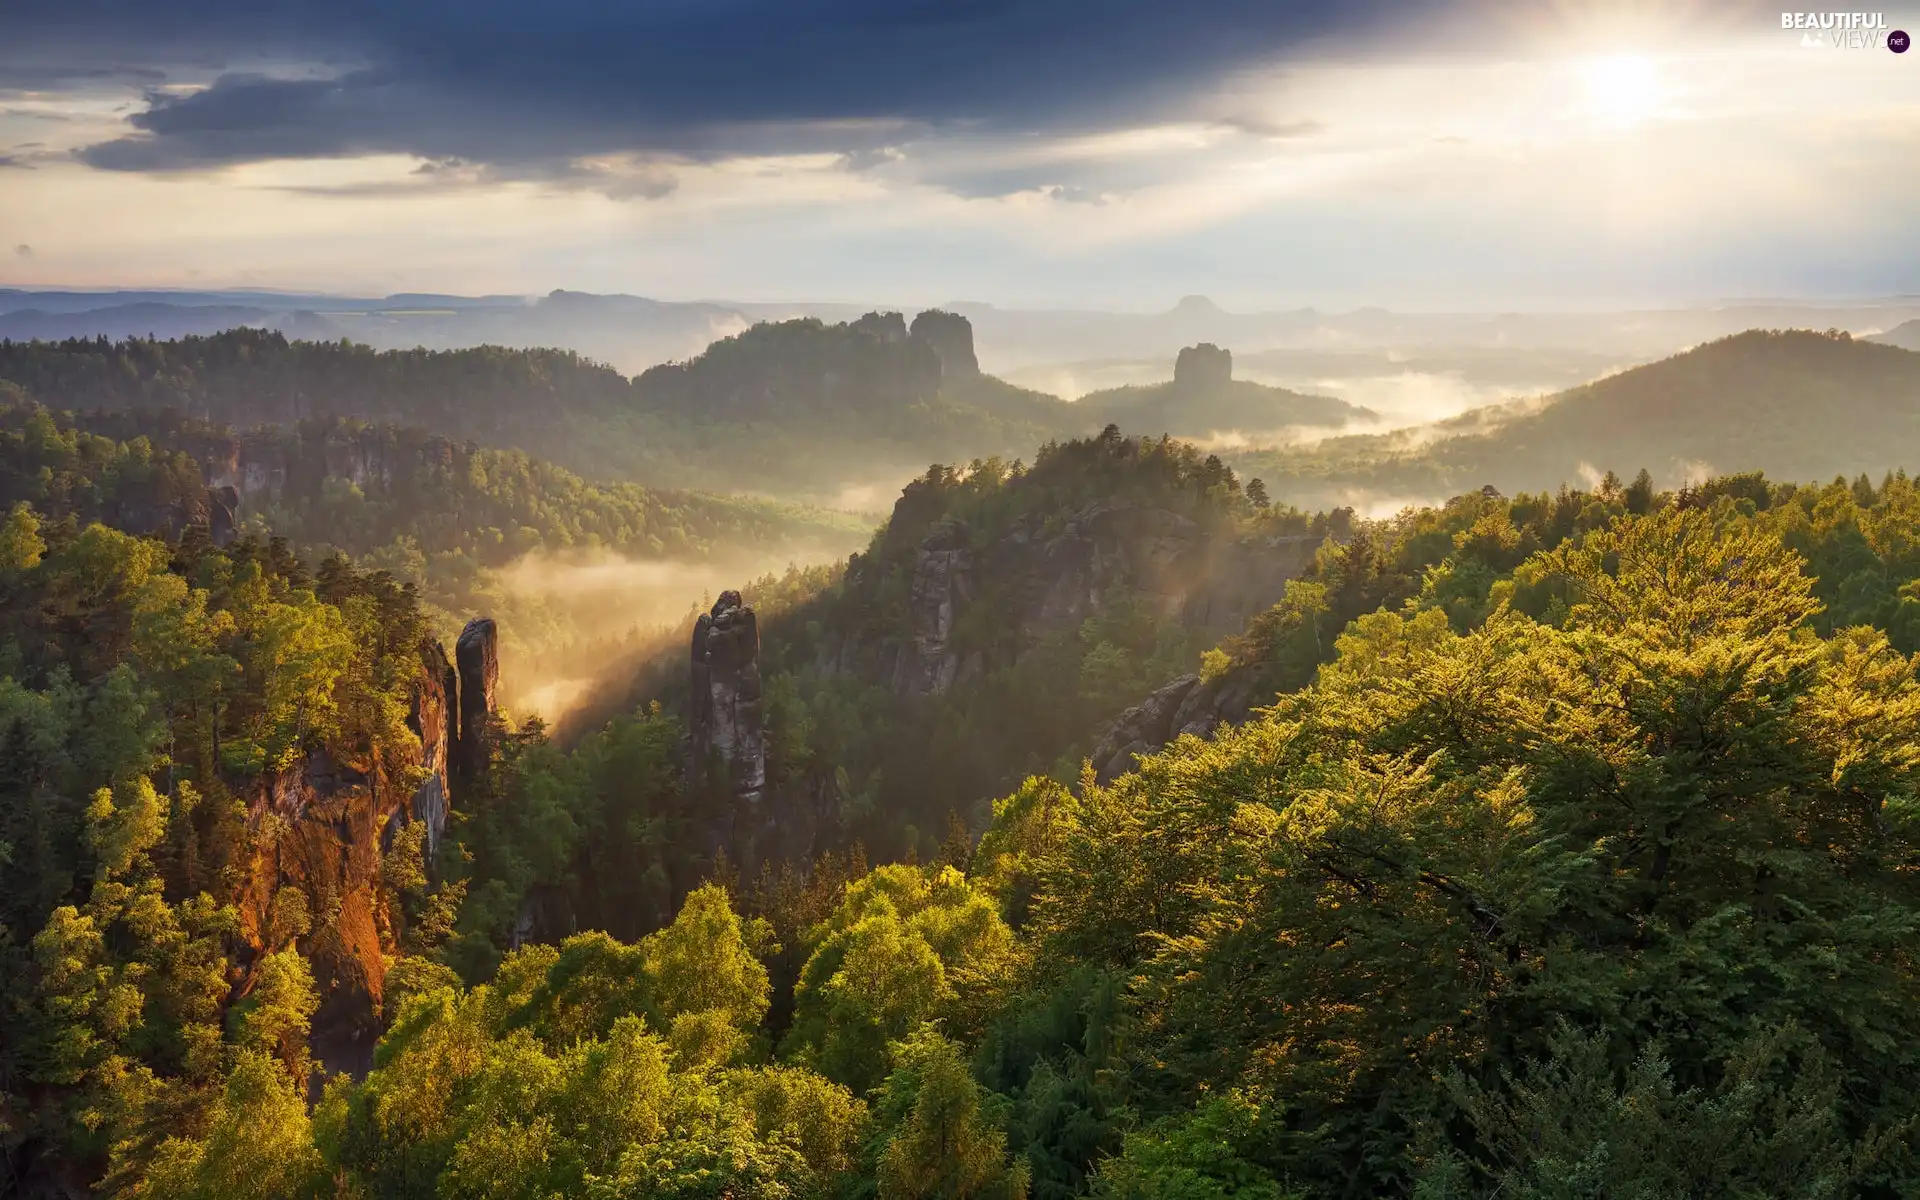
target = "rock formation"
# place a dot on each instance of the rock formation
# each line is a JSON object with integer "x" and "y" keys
{"x": 725, "y": 729}
{"x": 477, "y": 658}
{"x": 223, "y": 508}
{"x": 329, "y": 847}
{"x": 888, "y": 327}
{"x": 787, "y": 371}
{"x": 1044, "y": 578}
{"x": 1187, "y": 705}
{"x": 1201, "y": 368}
{"x": 434, "y": 718}
{"x": 323, "y": 825}
{"x": 951, "y": 337}
{"x": 942, "y": 588}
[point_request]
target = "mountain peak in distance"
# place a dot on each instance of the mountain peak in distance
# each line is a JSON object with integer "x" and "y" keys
{"x": 1197, "y": 306}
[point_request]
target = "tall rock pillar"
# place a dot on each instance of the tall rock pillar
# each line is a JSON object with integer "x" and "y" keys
{"x": 433, "y": 717}
{"x": 477, "y": 663}
{"x": 726, "y": 731}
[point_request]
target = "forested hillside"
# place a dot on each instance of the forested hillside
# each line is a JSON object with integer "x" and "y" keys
{"x": 1796, "y": 404}
{"x": 448, "y": 517}
{"x": 792, "y": 408}
{"x": 797, "y": 408}
{"x": 1575, "y": 853}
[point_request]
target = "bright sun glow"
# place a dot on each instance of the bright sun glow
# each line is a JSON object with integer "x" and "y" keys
{"x": 1622, "y": 90}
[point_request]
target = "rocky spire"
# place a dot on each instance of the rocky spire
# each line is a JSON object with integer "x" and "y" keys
{"x": 1203, "y": 368}
{"x": 434, "y": 717}
{"x": 727, "y": 737}
{"x": 950, "y": 336}
{"x": 477, "y": 659}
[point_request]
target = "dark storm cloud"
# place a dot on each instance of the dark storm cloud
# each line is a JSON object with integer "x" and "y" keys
{"x": 542, "y": 81}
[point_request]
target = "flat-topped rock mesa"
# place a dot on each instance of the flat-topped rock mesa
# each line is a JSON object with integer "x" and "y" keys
{"x": 876, "y": 366}
{"x": 1205, "y": 367}
{"x": 950, "y": 335}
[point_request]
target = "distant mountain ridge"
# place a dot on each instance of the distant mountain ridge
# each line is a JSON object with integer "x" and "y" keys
{"x": 634, "y": 333}
{"x": 1906, "y": 336}
{"x": 1795, "y": 404}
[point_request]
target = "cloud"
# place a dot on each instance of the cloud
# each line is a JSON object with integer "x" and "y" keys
{"x": 515, "y": 82}
{"x": 23, "y": 251}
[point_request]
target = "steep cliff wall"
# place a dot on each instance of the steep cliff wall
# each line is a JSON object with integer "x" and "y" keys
{"x": 434, "y": 717}
{"x": 1037, "y": 578}
{"x": 951, "y": 337}
{"x": 322, "y": 827}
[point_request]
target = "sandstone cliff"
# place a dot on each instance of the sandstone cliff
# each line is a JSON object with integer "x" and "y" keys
{"x": 951, "y": 337}
{"x": 1205, "y": 367}
{"x": 434, "y": 717}
{"x": 322, "y": 827}
{"x": 1187, "y": 705}
{"x": 1039, "y": 578}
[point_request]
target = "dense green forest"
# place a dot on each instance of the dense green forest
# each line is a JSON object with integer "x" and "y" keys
{"x": 1579, "y": 862}
{"x": 1567, "y": 849}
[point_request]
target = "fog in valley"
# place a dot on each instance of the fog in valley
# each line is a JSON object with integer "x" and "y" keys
{"x": 572, "y": 622}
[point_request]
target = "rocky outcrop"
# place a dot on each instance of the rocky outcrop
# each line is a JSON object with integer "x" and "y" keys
{"x": 1187, "y": 705}
{"x": 890, "y": 327}
{"x": 950, "y": 335}
{"x": 727, "y": 736}
{"x": 1143, "y": 727}
{"x": 323, "y": 825}
{"x": 433, "y": 715}
{"x": 223, "y": 520}
{"x": 1042, "y": 578}
{"x": 1202, "y": 368}
{"x": 477, "y": 659}
{"x": 941, "y": 589}
{"x": 316, "y": 828}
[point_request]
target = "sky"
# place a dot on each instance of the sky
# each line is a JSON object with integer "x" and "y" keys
{"x": 1113, "y": 154}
